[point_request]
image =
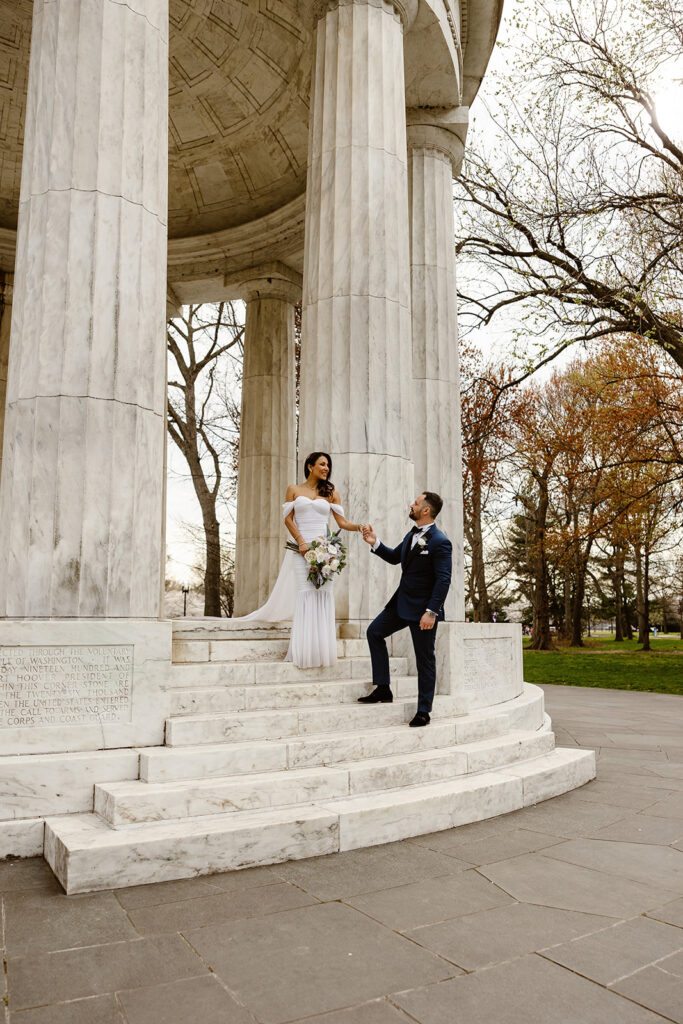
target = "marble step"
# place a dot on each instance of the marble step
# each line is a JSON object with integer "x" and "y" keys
{"x": 59, "y": 783}
{"x": 86, "y": 854}
{"x": 124, "y": 803}
{"x": 254, "y": 697}
{"x": 166, "y": 764}
{"x": 250, "y": 672}
{"x": 281, "y": 723}
{"x": 276, "y": 723}
{"x": 271, "y": 648}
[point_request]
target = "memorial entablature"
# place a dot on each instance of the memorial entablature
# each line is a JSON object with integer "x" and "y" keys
{"x": 239, "y": 97}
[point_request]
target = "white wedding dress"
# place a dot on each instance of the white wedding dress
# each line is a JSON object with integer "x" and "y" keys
{"x": 313, "y": 640}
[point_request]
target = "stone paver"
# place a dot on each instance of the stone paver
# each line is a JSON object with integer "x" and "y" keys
{"x": 570, "y": 912}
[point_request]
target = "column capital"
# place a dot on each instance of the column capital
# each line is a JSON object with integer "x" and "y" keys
{"x": 441, "y": 130}
{"x": 406, "y": 9}
{"x": 266, "y": 281}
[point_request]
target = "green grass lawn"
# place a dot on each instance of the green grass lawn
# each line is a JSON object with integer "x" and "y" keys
{"x": 615, "y": 666}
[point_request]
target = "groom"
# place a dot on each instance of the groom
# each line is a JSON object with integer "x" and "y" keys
{"x": 425, "y": 555}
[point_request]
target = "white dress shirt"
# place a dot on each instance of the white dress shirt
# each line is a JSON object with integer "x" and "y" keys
{"x": 413, "y": 542}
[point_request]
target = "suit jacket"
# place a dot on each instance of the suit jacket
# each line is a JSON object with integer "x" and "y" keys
{"x": 426, "y": 574}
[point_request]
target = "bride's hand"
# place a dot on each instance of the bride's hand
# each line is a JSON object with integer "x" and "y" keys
{"x": 303, "y": 547}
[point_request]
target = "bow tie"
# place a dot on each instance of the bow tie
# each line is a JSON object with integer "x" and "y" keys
{"x": 415, "y": 529}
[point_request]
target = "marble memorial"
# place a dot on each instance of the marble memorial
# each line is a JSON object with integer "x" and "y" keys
{"x": 162, "y": 152}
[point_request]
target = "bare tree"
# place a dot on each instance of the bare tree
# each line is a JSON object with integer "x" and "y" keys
{"x": 201, "y": 420}
{"x": 575, "y": 225}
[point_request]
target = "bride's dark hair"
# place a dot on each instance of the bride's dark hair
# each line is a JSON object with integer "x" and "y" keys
{"x": 325, "y": 487}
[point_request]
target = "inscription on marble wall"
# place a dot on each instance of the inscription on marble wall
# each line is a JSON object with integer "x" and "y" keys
{"x": 75, "y": 685}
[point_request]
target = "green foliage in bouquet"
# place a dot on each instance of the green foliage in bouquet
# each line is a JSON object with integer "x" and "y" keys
{"x": 326, "y": 557}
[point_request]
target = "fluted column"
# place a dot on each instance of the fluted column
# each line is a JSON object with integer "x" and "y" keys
{"x": 356, "y": 359}
{"x": 434, "y": 155}
{"x": 6, "y": 289}
{"x": 81, "y": 494}
{"x": 267, "y": 462}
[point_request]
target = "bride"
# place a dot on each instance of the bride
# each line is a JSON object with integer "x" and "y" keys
{"x": 307, "y": 508}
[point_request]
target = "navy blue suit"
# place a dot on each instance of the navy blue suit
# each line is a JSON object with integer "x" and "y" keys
{"x": 425, "y": 579}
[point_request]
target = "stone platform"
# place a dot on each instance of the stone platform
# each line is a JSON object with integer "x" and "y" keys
{"x": 264, "y": 762}
{"x": 576, "y": 900}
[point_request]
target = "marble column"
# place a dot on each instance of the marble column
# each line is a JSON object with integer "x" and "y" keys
{"x": 82, "y": 489}
{"x": 6, "y": 289}
{"x": 434, "y": 155}
{"x": 356, "y": 358}
{"x": 267, "y": 461}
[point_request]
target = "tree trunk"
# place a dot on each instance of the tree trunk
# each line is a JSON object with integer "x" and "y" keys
{"x": 641, "y": 600}
{"x": 618, "y": 579}
{"x": 577, "y": 609}
{"x": 482, "y": 607}
{"x": 580, "y": 568}
{"x": 207, "y": 502}
{"x": 212, "y": 571}
{"x": 627, "y": 610}
{"x": 541, "y": 640}
{"x": 646, "y": 595}
{"x": 565, "y": 630}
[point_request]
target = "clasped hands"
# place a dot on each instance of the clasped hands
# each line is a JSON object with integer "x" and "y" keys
{"x": 369, "y": 535}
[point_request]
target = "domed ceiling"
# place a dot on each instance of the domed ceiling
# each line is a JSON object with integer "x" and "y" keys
{"x": 238, "y": 109}
{"x": 238, "y": 122}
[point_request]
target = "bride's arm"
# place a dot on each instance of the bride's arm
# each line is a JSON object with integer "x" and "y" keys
{"x": 291, "y": 525}
{"x": 342, "y": 522}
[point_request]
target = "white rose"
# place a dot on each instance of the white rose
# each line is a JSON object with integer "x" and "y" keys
{"x": 422, "y": 542}
{"x": 322, "y": 558}
{"x": 310, "y": 556}
{"x": 326, "y": 571}
{"x": 334, "y": 564}
{"x": 333, "y": 550}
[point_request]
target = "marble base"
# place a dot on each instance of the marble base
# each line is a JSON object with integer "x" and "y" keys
{"x": 48, "y": 784}
{"x": 22, "y": 837}
{"x": 125, "y": 803}
{"x": 87, "y": 855}
{"x": 480, "y": 663}
{"x": 70, "y": 685}
{"x": 264, "y": 762}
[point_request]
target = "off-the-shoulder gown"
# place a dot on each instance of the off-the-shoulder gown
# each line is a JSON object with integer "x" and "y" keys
{"x": 313, "y": 640}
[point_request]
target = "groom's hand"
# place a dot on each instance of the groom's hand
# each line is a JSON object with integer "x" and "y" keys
{"x": 427, "y": 621}
{"x": 369, "y": 535}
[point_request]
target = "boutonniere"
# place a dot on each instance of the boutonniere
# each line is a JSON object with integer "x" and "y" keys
{"x": 421, "y": 541}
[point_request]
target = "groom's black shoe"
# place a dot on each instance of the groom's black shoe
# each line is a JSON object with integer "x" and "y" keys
{"x": 421, "y": 718}
{"x": 380, "y": 695}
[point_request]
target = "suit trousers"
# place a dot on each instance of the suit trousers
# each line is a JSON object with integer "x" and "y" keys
{"x": 388, "y": 622}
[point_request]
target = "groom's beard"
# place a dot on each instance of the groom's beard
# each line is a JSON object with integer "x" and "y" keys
{"x": 411, "y": 515}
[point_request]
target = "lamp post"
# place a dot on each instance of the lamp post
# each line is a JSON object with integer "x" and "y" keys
{"x": 186, "y": 591}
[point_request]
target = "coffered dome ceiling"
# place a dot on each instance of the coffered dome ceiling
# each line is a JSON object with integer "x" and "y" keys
{"x": 238, "y": 109}
{"x": 239, "y": 85}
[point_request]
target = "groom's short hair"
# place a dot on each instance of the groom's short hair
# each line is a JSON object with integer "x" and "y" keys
{"x": 434, "y": 501}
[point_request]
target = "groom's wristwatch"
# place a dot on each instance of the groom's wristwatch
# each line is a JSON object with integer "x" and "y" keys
{"x": 434, "y": 615}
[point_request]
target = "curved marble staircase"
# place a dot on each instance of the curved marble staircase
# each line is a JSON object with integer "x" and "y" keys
{"x": 264, "y": 762}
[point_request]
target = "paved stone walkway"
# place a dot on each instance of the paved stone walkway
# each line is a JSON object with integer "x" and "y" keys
{"x": 570, "y": 912}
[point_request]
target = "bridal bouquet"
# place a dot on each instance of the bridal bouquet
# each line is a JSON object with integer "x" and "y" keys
{"x": 326, "y": 556}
